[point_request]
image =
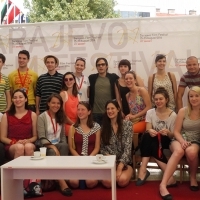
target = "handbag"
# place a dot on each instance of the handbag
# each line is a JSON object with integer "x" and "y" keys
{"x": 41, "y": 143}
{"x": 32, "y": 188}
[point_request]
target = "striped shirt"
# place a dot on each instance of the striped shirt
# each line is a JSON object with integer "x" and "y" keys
{"x": 189, "y": 80}
{"x": 4, "y": 86}
{"x": 46, "y": 85}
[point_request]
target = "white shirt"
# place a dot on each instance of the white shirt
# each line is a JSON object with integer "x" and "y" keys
{"x": 54, "y": 138}
{"x": 82, "y": 89}
{"x": 158, "y": 124}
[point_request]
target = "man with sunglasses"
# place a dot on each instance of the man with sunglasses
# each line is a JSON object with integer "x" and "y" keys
{"x": 188, "y": 79}
{"x": 48, "y": 83}
{"x": 102, "y": 89}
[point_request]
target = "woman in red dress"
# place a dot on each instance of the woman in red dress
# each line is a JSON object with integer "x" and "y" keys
{"x": 84, "y": 138}
{"x": 18, "y": 127}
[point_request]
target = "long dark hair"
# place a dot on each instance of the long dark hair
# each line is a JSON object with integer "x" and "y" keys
{"x": 60, "y": 116}
{"x": 12, "y": 109}
{"x": 106, "y": 131}
{"x": 65, "y": 88}
{"x": 90, "y": 119}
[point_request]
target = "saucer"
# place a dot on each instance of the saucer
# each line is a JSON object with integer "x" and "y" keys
{"x": 99, "y": 162}
{"x": 37, "y": 158}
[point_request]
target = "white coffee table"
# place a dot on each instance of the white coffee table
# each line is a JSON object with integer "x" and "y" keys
{"x": 53, "y": 167}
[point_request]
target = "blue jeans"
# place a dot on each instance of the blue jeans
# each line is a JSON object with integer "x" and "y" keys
{"x": 98, "y": 117}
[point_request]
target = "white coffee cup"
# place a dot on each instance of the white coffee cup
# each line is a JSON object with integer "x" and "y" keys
{"x": 43, "y": 151}
{"x": 36, "y": 154}
{"x": 99, "y": 157}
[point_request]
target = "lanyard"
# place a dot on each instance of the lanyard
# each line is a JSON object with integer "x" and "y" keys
{"x": 159, "y": 146}
{"x": 79, "y": 87}
{"x": 23, "y": 83}
{"x": 54, "y": 128}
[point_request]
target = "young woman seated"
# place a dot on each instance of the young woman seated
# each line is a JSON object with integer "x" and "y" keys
{"x": 84, "y": 138}
{"x": 186, "y": 142}
{"x": 159, "y": 132}
{"x": 116, "y": 139}
{"x": 50, "y": 125}
{"x": 18, "y": 127}
{"x": 139, "y": 103}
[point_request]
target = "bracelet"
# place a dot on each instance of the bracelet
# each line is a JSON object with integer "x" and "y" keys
{"x": 13, "y": 141}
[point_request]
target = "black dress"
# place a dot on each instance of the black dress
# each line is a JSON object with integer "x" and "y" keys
{"x": 123, "y": 91}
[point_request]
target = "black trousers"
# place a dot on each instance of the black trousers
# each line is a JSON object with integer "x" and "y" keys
{"x": 149, "y": 146}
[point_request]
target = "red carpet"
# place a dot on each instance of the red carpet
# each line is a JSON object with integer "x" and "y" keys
{"x": 149, "y": 191}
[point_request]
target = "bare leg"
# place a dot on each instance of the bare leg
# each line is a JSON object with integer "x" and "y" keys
{"x": 143, "y": 167}
{"x": 74, "y": 183}
{"x": 123, "y": 180}
{"x": 177, "y": 154}
{"x": 191, "y": 153}
{"x": 16, "y": 150}
{"x": 29, "y": 149}
{"x": 106, "y": 183}
{"x": 91, "y": 183}
{"x": 125, "y": 177}
{"x": 163, "y": 166}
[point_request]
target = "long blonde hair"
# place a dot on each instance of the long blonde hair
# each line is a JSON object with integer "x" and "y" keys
{"x": 195, "y": 89}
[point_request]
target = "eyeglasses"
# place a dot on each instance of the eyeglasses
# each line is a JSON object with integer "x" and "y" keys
{"x": 68, "y": 79}
{"x": 101, "y": 64}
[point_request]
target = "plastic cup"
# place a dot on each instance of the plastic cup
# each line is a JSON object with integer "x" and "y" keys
{"x": 43, "y": 151}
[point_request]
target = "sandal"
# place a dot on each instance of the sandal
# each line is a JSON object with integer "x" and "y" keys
{"x": 66, "y": 192}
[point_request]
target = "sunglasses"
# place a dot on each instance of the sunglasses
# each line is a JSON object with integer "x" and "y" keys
{"x": 68, "y": 79}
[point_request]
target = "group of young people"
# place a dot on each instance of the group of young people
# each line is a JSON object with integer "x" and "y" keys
{"x": 86, "y": 115}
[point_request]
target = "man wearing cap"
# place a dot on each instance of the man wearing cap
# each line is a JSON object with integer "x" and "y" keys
{"x": 48, "y": 83}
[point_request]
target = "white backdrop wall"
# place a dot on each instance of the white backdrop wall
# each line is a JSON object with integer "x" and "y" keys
{"x": 138, "y": 39}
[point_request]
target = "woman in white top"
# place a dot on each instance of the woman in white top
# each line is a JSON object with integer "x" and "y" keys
{"x": 163, "y": 79}
{"x": 82, "y": 81}
{"x": 159, "y": 131}
{"x": 50, "y": 125}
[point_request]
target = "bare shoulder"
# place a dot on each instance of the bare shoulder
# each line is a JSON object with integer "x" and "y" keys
{"x": 33, "y": 115}
{"x": 182, "y": 111}
{"x": 143, "y": 90}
